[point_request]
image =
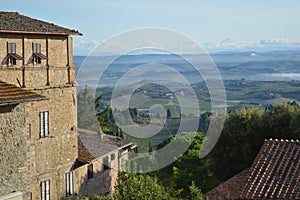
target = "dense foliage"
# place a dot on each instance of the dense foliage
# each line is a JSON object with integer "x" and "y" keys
{"x": 244, "y": 133}
{"x": 242, "y": 137}
{"x": 141, "y": 187}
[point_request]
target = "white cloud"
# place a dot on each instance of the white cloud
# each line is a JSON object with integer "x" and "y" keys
{"x": 262, "y": 45}
{"x": 83, "y": 47}
{"x": 278, "y": 42}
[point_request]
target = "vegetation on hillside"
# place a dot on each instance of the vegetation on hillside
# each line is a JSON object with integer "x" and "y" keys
{"x": 243, "y": 134}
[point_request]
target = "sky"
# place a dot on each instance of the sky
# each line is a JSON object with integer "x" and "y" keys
{"x": 215, "y": 24}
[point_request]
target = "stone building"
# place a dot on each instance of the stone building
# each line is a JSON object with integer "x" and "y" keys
{"x": 101, "y": 156}
{"x": 38, "y": 110}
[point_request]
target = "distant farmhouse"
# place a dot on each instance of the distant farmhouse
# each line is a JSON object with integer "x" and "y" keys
{"x": 43, "y": 154}
{"x": 275, "y": 174}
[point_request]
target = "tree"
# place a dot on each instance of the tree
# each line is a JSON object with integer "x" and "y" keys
{"x": 244, "y": 133}
{"x": 86, "y": 110}
{"x": 239, "y": 143}
{"x": 139, "y": 187}
{"x": 188, "y": 169}
{"x": 281, "y": 122}
{"x": 195, "y": 192}
{"x": 168, "y": 114}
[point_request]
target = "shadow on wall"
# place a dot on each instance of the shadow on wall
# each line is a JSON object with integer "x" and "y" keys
{"x": 93, "y": 179}
{"x": 7, "y": 108}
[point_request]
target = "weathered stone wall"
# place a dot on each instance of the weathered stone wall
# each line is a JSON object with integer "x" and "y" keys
{"x": 13, "y": 148}
{"x": 37, "y": 78}
{"x": 59, "y": 71}
{"x": 12, "y": 75}
{"x": 30, "y": 158}
{"x": 53, "y": 156}
{"x": 58, "y": 47}
{"x": 103, "y": 181}
{"x": 27, "y": 159}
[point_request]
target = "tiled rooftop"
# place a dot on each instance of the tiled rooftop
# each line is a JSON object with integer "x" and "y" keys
{"x": 11, "y": 94}
{"x": 92, "y": 146}
{"x": 275, "y": 174}
{"x": 231, "y": 189}
{"x": 14, "y": 22}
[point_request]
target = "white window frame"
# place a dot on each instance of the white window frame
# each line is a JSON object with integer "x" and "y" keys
{"x": 36, "y": 49}
{"x": 45, "y": 190}
{"x": 44, "y": 124}
{"x": 69, "y": 183}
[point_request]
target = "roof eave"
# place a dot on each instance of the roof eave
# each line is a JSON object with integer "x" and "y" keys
{"x": 24, "y": 101}
{"x": 41, "y": 33}
{"x": 108, "y": 153}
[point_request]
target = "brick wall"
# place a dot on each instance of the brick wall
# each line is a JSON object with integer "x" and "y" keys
{"x": 58, "y": 70}
{"x": 59, "y": 48}
{"x": 22, "y": 149}
{"x": 53, "y": 156}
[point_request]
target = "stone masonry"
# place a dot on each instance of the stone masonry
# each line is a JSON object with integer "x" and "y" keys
{"x": 26, "y": 158}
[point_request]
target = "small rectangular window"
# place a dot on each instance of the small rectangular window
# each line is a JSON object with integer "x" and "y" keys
{"x": 45, "y": 190}
{"x": 37, "y": 53}
{"x": 105, "y": 163}
{"x": 69, "y": 184}
{"x": 90, "y": 171}
{"x": 112, "y": 157}
{"x": 11, "y": 48}
{"x": 36, "y": 47}
{"x": 44, "y": 124}
{"x": 12, "y": 56}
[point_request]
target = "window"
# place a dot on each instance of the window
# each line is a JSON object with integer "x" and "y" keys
{"x": 90, "y": 171}
{"x": 112, "y": 157}
{"x": 44, "y": 124}
{"x": 105, "y": 163}
{"x": 45, "y": 190}
{"x": 12, "y": 56}
{"x": 36, "y": 47}
{"x": 69, "y": 184}
{"x": 11, "y": 48}
{"x": 37, "y": 53}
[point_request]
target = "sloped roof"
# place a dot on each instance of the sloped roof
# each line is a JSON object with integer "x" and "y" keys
{"x": 275, "y": 174}
{"x": 11, "y": 94}
{"x": 92, "y": 146}
{"x": 231, "y": 189}
{"x": 15, "y": 22}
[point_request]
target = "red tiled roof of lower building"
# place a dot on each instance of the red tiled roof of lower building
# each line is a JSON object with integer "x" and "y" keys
{"x": 231, "y": 189}
{"x": 11, "y": 94}
{"x": 15, "y": 22}
{"x": 275, "y": 173}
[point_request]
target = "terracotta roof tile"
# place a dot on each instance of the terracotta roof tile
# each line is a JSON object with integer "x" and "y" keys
{"x": 275, "y": 173}
{"x": 11, "y": 94}
{"x": 231, "y": 189}
{"x": 14, "y": 22}
{"x": 92, "y": 146}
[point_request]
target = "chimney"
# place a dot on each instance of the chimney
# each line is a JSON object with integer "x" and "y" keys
{"x": 100, "y": 133}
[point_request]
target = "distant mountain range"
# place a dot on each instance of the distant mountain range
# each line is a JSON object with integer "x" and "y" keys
{"x": 83, "y": 47}
{"x": 252, "y": 65}
{"x": 260, "y": 46}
